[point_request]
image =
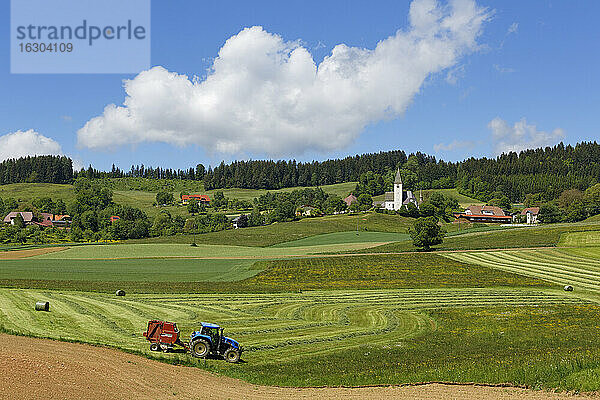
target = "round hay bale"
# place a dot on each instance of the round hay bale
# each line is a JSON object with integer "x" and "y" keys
{"x": 42, "y": 306}
{"x": 120, "y": 292}
{"x": 568, "y": 288}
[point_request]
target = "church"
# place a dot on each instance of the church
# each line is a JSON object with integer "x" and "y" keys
{"x": 399, "y": 198}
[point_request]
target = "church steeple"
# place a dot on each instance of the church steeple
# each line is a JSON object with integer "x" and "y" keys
{"x": 398, "y": 193}
{"x": 398, "y": 178}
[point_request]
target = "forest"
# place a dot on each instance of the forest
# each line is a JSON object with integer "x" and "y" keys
{"x": 546, "y": 172}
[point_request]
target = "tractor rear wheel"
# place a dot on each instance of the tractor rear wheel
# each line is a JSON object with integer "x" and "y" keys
{"x": 200, "y": 348}
{"x": 232, "y": 355}
{"x": 154, "y": 347}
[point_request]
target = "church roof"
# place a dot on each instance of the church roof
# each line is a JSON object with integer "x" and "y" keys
{"x": 389, "y": 196}
{"x": 398, "y": 178}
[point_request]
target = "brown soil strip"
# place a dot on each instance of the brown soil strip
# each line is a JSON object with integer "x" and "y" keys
{"x": 45, "y": 369}
{"x": 17, "y": 254}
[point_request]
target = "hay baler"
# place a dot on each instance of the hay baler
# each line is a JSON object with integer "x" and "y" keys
{"x": 207, "y": 341}
{"x": 163, "y": 336}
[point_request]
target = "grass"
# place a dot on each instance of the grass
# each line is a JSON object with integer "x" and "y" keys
{"x": 197, "y": 276}
{"x": 25, "y": 192}
{"x": 577, "y": 267}
{"x": 542, "y": 236}
{"x": 346, "y": 237}
{"x": 262, "y": 236}
{"x": 126, "y": 270}
{"x": 581, "y": 239}
{"x": 165, "y": 251}
{"x": 345, "y": 337}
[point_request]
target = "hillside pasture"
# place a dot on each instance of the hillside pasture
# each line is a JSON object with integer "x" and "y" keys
{"x": 262, "y": 236}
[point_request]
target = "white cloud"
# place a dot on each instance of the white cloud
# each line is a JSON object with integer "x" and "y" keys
{"x": 521, "y": 136}
{"x": 266, "y": 95}
{"x": 27, "y": 143}
{"x": 454, "y": 145}
{"x": 513, "y": 28}
{"x": 66, "y": 118}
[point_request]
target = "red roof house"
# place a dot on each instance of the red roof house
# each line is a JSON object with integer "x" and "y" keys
{"x": 202, "y": 198}
{"x": 485, "y": 214}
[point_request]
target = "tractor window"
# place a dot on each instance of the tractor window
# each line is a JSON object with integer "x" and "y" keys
{"x": 212, "y": 332}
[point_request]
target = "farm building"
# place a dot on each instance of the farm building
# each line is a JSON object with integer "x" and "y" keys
{"x": 490, "y": 214}
{"x": 202, "y": 198}
{"x": 46, "y": 220}
{"x": 241, "y": 221}
{"x": 26, "y": 215}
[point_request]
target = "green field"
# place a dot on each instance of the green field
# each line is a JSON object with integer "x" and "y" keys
{"x": 165, "y": 251}
{"x": 579, "y": 239}
{"x": 317, "y": 338}
{"x": 127, "y": 270}
{"x": 25, "y": 192}
{"x": 536, "y": 236}
{"x": 262, "y": 236}
{"x": 189, "y": 275}
{"x": 346, "y": 237}
{"x": 577, "y": 267}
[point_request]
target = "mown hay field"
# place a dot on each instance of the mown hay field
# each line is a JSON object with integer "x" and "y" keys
{"x": 581, "y": 239}
{"x": 577, "y": 267}
{"x": 321, "y": 337}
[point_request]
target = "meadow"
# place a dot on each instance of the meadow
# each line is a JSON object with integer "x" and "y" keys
{"x": 127, "y": 192}
{"x": 345, "y": 337}
{"x": 281, "y": 232}
{"x": 499, "y": 238}
{"x": 579, "y": 267}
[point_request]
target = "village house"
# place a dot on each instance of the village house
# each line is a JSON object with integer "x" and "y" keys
{"x": 486, "y": 214}
{"x": 202, "y": 198}
{"x": 531, "y": 214}
{"x": 26, "y": 215}
{"x": 46, "y": 220}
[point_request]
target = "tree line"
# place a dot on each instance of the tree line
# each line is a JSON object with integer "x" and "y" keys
{"x": 39, "y": 169}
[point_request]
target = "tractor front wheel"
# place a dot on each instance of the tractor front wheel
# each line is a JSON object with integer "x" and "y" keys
{"x": 154, "y": 347}
{"x": 232, "y": 355}
{"x": 200, "y": 348}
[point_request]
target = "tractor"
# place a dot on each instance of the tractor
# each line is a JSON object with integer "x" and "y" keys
{"x": 208, "y": 341}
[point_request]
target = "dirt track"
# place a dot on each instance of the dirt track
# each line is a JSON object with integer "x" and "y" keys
{"x": 45, "y": 369}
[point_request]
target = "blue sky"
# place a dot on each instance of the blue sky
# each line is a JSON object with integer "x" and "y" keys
{"x": 531, "y": 80}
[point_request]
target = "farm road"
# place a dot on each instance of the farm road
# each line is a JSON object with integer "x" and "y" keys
{"x": 45, "y": 369}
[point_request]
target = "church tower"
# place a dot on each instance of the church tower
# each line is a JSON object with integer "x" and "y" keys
{"x": 398, "y": 197}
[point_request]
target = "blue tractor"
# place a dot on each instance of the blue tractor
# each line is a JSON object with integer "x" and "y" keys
{"x": 210, "y": 340}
